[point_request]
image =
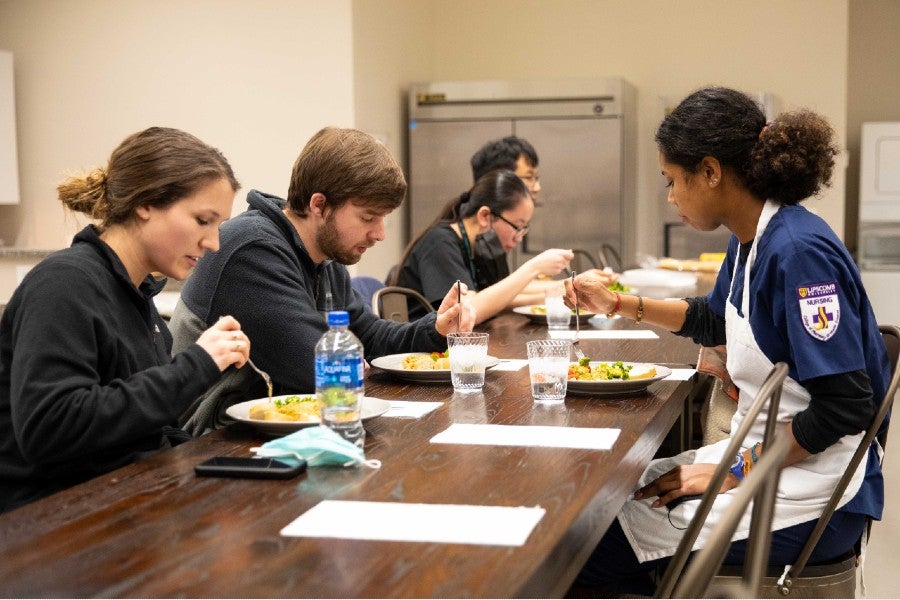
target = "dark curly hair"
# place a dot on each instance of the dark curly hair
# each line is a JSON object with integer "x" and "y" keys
{"x": 787, "y": 160}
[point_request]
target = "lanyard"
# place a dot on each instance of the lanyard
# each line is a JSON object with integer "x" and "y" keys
{"x": 471, "y": 263}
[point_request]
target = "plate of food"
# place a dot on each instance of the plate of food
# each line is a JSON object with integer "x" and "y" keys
{"x": 613, "y": 377}
{"x": 538, "y": 314}
{"x": 285, "y": 414}
{"x": 709, "y": 262}
{"x": 421, "y": 366}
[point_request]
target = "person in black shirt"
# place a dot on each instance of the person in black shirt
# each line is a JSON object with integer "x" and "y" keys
{"x": 512, "y": 153}
{"x": 469, "y": 242}
{"x": 87, "y": 382}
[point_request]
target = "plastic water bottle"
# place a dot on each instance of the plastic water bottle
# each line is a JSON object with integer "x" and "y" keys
{"x": 339, "y": 378}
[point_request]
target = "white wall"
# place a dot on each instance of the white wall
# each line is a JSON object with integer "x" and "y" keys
{"x": 255, "y": 79}
{"x": 665, "y": 48}
{"x": 393, "y": 47}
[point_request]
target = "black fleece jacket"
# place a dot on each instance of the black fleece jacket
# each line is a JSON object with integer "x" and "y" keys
{"x": 87, "y": 383}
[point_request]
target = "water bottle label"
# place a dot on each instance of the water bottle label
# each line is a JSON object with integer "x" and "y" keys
{"x": 347, "y": 373}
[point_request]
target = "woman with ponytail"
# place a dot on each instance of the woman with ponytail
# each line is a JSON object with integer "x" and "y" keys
{"x": 469, "y": 241}
{"x": 87, "y": 382}
{"x": 788, "y": 292}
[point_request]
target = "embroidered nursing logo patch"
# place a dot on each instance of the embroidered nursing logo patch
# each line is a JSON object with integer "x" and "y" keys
{"x": 820, "y": 309}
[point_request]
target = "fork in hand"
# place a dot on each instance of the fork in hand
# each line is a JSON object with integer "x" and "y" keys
{"x": 262, "y": 374}
{"x": 579, "y": 355}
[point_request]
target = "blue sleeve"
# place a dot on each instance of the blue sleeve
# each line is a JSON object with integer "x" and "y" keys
{"x": 820, "y": 313}
{"x": 719, "y": 294}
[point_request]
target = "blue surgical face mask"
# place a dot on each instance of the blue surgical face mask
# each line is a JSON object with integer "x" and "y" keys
{"x": 318, "y": 446}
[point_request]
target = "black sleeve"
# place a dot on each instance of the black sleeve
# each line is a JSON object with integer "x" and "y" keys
{"x": 701, "y": 324}
{"x": 437, "y": 263}
{"x": 840, "y": 405}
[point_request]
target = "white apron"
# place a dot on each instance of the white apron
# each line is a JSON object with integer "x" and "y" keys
{"x": 804, "y": 487}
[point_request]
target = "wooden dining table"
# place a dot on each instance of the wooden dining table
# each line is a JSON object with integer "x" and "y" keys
{"x": 155, "y": 529}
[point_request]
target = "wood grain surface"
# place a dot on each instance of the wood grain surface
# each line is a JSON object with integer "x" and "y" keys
{"x": 154, "y": 529}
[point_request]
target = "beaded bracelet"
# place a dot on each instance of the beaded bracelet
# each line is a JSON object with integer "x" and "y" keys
{"x": 640, "y": 310}
{"x": 754, "y": 457}
{"x": 753, "y": 450}
{"x": 616, "y": 309}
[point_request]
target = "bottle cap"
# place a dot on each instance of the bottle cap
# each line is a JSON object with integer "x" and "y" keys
{"x": 338, "y": 318}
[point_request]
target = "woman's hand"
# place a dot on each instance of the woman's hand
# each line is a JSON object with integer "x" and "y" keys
{"x": 605, "y": 275}
{"x": 226, "y": 343}
{"x": 453, "y": 316}
{"x": 683, "y": 480}
{"x": 550, "y": 262}
{"x": 593, "y": 293}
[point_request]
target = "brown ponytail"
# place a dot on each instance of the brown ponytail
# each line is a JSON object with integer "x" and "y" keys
{"x": 154, "y": 167}
{"x": 85, "y": 193}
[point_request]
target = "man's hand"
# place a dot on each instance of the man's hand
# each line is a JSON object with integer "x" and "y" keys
{"x": 453, "y": 315}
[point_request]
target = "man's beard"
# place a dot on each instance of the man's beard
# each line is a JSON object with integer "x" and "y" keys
{"x": 329, "y": 242}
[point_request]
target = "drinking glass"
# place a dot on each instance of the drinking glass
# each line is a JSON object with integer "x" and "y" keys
{"x": 548, "y": 365}
{"x": 468, "y": 355}
{"x": 558, "y": 314}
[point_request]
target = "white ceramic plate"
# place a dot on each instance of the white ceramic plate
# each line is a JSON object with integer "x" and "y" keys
{"x": 618, "y": 386}
{"x": 600, "y": 320}
{"x": 541, "y": 318}
{"x": 661, "y": 283}
{"x": 393, "y": 363}
{"x": 369, "y": 408}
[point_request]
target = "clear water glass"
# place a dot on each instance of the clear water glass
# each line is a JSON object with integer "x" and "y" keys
{"x": 548, "y": 366}
{"x": 468, "y": 356}
{"x": 558, "y": 314}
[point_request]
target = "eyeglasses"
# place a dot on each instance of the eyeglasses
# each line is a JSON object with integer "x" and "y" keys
{"x": 530, "y": 179}
{"x": 520, "y": 231}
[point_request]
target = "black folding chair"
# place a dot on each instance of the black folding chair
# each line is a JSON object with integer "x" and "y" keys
{"x": 390, "y": 302}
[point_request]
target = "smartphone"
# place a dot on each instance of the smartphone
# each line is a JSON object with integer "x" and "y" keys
{"x": 245, "y": 466}
{"x": 681, "y": 499}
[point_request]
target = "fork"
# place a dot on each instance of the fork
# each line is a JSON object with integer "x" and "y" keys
{"x": 579, "y": 354}
{"x": 262, "y": 374}
{"x": 459, "y": 301}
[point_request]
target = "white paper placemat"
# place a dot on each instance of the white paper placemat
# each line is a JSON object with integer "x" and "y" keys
{"x": 402, "y": 522}
{"x": 510, "y": 364}
{"x": 591, "y": 438}
{"x": 406, "y": 409}
{"x": 604, "y": 334}
{"x": 682, "y": 374}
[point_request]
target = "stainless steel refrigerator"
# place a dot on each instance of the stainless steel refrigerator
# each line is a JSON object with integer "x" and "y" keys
{"x": 582, "y": 130}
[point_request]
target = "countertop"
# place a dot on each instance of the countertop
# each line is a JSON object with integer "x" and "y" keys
{"x": 16, "y": 252}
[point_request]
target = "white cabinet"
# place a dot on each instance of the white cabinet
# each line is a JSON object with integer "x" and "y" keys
{"x": 9, "y": 163}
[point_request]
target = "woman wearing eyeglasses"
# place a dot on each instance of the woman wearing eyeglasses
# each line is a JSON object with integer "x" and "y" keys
{"x": 469, "y": 242}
